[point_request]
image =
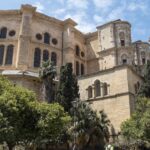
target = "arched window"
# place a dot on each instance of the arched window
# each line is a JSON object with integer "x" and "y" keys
{"x": 46, "y": 38}
{"x": 82, "y": 69}
{"x": 37, "y": 57}
{"x": 77, "y": 50}
{"x": 1, "y": 54}
{"x": 3, "y": 33}
{"x": 122, "y": 38}
{"x": 124, "y": 59}
{"x": 90, "y": 93}
{"x": 77, "y": 68}
{"x": 143, "y": 57}
{"x": 9, "y": 55}
{"x": 54, "y": 58}
{"x": 97, "y": 87}
{"x": 45, "y": 55}
{"x": 105, "y": 89}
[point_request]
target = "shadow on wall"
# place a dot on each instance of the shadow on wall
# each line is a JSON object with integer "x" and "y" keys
{"x": 92, "y": 63}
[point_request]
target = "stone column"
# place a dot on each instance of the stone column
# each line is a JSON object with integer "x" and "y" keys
{"x": 68, "y": 39}
{"x": 24, "y": 40}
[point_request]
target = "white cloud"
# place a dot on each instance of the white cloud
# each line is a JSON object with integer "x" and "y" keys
{"x": 58, "y": 1}
{"x": 141, "y": 31}
{"x": 133, "y": 6}
{"x": 98, "y": 19}
{"x": 59, "y": 11}
{"x": 82, "y": 20}
{"x": 78, "y": 17}
{"x": 80, "y": 4}
{"x": 116, "y": 13}
{"x": 39, "y": 6}
{"x": 103, "y": 3}
{"x": 86, "y": 27}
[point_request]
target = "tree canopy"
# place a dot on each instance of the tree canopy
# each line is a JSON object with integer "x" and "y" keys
{"x": 138, "y": 126}
{"x": 90, "y": 128}
{"x": 68, "y": 90}
{"x": 23, "y": 120}
{"x": 145, "y": 88}
{"x": 47, "y": 74}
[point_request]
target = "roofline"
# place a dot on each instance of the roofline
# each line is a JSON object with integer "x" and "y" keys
{"x": 10, "y": 12}
{"x": 113, "y": 22}
{"x": 91, "y": 34}
{"x": 141, "y": 42}
{"x": 37, "y": 14}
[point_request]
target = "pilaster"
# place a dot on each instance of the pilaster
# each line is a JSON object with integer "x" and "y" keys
{"x": 25, "y": 34}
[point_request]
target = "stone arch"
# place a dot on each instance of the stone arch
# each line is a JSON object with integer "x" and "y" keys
{"x": 143, "y": 57}
{"x": 37, "y": 57}
{"x": 77, "y": 68}
{"x": 2, "y": 47}
{"x": 54, "y": 58}
{"x": 121, "y": 35}
{"x": 3, "y": 32}
{"x": 45, "y": 55}
{"x": 77, "y": 50}
{"x": 90, "y": 92}
{"x": 9, "y": 55}
{"x": 105, "y": 89}
{"x": 97, "y": 88}
{"x": 46, "y": 38}
{"x": 124, "y": 59}
{"x": 122, "y": 38}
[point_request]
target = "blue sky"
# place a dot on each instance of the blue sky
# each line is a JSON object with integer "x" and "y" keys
{"x": 91, "y": 13}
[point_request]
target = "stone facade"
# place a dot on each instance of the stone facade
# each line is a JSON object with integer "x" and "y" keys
{"x": 108, "y": 64}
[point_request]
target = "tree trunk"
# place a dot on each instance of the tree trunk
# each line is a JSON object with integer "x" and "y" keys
{"x": 88, "y": 143}
{"x": 10, "y": 146}
{"x": 49, "y": 89}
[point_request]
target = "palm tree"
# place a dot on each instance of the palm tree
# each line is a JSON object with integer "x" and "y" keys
{"x": 47, "y": 74}
{"x": 91, "y": 128}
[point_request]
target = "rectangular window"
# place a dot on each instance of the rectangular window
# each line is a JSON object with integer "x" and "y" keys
{"x": 122, "y": 43}
{"x": 143, "y": 61}
{"x": 124, "y": 61}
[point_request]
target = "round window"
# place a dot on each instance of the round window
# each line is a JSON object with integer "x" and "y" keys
{"x": 38, "y": 36}
{"x": 54, "y": 41}
{"x": 12, "y": 33}
{"x": 82, "y": 54}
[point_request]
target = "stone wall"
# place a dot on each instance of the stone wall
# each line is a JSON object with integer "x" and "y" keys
{"x": 119, "y": 103}
{"x": 33, "y": 84}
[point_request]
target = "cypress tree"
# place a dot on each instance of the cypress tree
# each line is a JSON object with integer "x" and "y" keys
{"x": 145, "y": 88}
{"x": 47, "y": 74}
{"x": 68, "y": 90}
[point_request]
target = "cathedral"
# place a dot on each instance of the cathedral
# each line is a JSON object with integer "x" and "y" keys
{"x": 108, "y": 64}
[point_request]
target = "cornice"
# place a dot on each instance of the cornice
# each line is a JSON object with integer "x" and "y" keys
{"x": 118, "y": 21}
{"x": 10, "y": 12}
{"x": 140, "y": 42}
{"x": 46, "y": 46}
{"x": 109, "y": 97}
{"x": 119, "y": 67}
